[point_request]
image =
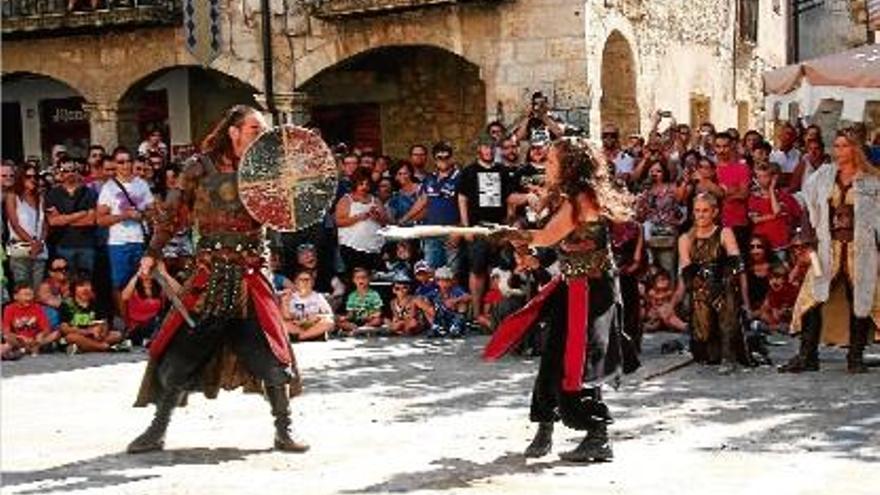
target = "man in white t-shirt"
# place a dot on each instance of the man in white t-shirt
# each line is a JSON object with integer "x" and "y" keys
{"x": 787, "y": 156}
{"x": 614, "y": 155}
{"x": 121, "y": 206}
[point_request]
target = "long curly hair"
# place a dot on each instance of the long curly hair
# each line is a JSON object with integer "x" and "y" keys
{"x": 584, "y": 171}
{"x": 217, "y": 143}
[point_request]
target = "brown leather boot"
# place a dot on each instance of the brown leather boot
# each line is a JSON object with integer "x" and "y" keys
{"x": 807, "y": 358}
{"x": 286, "y": 439}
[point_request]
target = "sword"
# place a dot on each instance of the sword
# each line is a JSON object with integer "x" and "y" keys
{"x": 173, "y": 297}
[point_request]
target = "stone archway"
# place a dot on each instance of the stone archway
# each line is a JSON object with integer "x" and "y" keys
{"x": 619, "y": 103}
{"x": 39, "y": 112}
{"x": 182, "y": 101}
{"x": 392, "y": 97}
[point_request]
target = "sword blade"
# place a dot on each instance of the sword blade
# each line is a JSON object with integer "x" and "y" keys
{"x": 174, "y": 298}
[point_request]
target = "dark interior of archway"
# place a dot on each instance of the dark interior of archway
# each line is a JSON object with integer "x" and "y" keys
{"x": 393, "y": 97}
{"x": 60, "y": 116}
{"x": 210, "y": 93}
{"x": 619, "y": 105}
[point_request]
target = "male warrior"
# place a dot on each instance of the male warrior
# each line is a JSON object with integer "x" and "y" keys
{"x": 238, "y": 339}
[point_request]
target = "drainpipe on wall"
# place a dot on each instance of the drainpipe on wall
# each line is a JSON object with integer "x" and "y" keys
{"x": 268, "y": 66}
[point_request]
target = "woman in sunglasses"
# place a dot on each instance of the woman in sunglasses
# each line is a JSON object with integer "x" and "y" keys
{"x": 28, "y": 228}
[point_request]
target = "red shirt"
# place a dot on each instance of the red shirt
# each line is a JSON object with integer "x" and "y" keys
{"x": 142, "y": 309}
{"x": 777, "y": 230}
{"x": 25, "y": 320}
{"x": 733, "y": 210}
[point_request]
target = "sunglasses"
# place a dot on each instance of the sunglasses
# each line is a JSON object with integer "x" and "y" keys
{"x": 30, "y": 176}
{"x": 58, "y": 268}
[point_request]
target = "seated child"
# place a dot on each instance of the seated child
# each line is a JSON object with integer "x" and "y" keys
{"x": 80, "y": 326}
{"x": 451, "y": 304}
{"x": 307, "y": 314}
{"x": 775, "y": 312}
{"x": 25, "y": 325}
{"x": 659, "y": 315}
{"x": 401, "y": 259}
{"x": 425, "y": 285}
{"x": 408, "y": 312}
{"x": 363, "y": 308}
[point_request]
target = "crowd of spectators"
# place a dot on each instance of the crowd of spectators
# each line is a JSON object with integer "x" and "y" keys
{"x": 76, "y": 229}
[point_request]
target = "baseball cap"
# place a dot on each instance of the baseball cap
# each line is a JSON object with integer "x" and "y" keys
{"x": 422, "y": 266}
{"x": 443, "y": 273}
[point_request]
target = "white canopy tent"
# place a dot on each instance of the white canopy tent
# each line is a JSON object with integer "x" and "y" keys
{"x": 852, "y": 77}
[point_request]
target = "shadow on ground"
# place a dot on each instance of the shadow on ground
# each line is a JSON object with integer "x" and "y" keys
{"x": 109, "y": 470}
{"x": 59, "y": 362}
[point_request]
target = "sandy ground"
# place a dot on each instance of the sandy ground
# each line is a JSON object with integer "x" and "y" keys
{"x": 401, "y": 416}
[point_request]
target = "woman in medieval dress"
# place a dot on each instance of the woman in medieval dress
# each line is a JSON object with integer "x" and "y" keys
{"x": 583, "y": 346}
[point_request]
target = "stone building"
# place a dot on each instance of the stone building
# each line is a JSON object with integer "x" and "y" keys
{"x": 830, "y": 26}
{"x": 388, "y": 73}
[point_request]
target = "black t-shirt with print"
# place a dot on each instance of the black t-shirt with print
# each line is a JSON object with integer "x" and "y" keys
{"x": 486, "y": 189}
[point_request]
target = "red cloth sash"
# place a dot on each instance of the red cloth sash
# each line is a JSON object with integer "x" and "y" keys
{"x": 514, "y": 327}
{"x": 576, "y": 338}
{"x": 264, "y": 303}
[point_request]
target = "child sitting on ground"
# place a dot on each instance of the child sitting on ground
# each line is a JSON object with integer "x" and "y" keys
{"x": 775, "y": 312}
{"x": 659, "y": 314}
{"x": 425, "y": 285}
{"x": 363, "y": 308}
{"x": 408, "y": 312}
{"x": 25, "y": 325}
{"x": 80, "y": 326}
{"x": 451, "y": 304}
{"x": 307, "y": 314}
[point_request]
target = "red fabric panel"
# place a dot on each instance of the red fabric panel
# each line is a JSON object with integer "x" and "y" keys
{"x": 576, "y": 339}
{"x": 269, "y": 315}
{"x": 511, "y": 330}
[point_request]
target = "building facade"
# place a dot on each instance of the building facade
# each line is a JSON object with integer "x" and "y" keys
{"x": 388, "y": 73}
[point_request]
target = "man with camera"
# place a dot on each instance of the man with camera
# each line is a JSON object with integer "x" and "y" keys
{"x": 536, "y": 124}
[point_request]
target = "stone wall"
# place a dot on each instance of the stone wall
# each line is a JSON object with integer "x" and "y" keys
{"x": 835, "y": 26}
{"x": 685, "y": 50}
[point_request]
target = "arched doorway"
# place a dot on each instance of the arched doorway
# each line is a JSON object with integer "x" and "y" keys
{"x": 619, "y": 105}
{"x": 392, "y": 97}
{"x": 40, "y": 112}
{"x": 182, "y": 102}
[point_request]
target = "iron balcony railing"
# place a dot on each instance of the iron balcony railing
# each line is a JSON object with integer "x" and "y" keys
{"x": 50, "y": 17}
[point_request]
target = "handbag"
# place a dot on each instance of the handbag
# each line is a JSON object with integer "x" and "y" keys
{"x": 144, "y": 229}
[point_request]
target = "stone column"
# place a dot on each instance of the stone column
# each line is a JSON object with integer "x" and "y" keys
{"x": 293, "y": 108}
{"x": 103, "y": 122}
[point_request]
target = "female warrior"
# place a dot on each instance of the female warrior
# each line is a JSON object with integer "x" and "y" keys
{"x": 843, "y": 200}
{"x": 583, "y": 346}
{"x": 711, "y": 267}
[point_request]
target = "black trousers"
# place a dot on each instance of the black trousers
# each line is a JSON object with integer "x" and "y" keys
{"x": 191, "y": 349}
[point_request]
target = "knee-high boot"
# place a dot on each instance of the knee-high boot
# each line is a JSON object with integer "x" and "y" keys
{"x": 807, "y": 358}
{"x": 154, "y": 437}
{"x": 285, "y": 437}
{"x": 858, "y": 339}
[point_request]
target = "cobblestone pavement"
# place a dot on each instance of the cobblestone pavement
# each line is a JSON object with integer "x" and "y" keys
{"x": 392, "y": 416}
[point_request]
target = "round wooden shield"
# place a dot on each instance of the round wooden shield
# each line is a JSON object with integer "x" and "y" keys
{"x": 287, "y": 178}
